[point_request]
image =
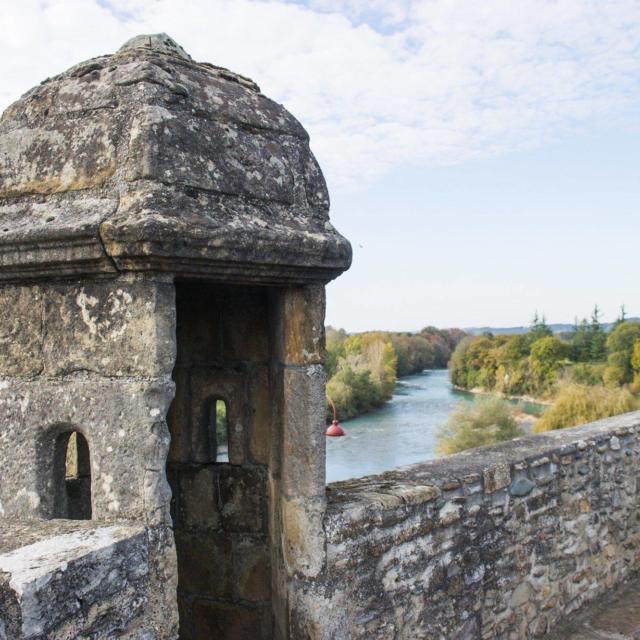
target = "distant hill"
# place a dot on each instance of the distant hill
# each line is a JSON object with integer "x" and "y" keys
{"x": 556, "y": 328}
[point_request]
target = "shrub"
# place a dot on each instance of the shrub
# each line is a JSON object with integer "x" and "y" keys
{"x": 484, "y": 421}
{"x": 585, "y": 373}
{"x": 578, "y": 404}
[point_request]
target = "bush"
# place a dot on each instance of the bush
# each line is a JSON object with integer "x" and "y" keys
{"x": 585, "y": 373}
{"x": 484, "y": 421}
{"x": 578, "y": 404}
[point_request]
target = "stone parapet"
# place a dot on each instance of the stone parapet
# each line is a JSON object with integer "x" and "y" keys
{"x": 498, "y": 542}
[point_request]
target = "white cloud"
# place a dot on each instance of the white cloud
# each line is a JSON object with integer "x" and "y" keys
{"x": 376, "y": 83}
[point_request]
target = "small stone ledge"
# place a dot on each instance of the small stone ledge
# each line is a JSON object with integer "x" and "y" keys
{"x": 62, "y": 579}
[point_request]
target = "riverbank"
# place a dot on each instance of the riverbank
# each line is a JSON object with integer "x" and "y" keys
{"x": 483, "y": 392}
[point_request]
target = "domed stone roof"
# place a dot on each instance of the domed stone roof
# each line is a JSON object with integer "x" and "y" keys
{"x": 147, "y": 160}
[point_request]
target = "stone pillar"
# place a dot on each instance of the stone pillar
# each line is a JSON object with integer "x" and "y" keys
{"x": 298, "y": 455}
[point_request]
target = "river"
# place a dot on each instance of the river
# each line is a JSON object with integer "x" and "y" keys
{"x": 402, "y": 432}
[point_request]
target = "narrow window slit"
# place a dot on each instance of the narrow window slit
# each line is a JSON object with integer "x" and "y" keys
{"x": 73, "y": 477}
{"x": 220, "y": 428}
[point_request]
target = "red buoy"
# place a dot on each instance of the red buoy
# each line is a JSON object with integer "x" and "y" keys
{"x": 335, "y": 430}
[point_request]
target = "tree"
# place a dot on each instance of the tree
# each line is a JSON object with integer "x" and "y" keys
{"x": 414, "y": 353}
{"x": 473, "y": 424}
{"x": 365, "y": 373}
{"x": 620, "y": 345}
{"x": 581, "y": 342}
{"x": 539, "y": 328}
{"x": 597, "y": 338}
{"x": 548, "y": 356}
{"x": 458, "y": 368}
{"x": 622, "y": 317}
{"x": 335, "y": 339}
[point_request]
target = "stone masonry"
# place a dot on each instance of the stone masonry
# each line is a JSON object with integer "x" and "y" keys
{"x": 501, "y": 542}
{"x": 164, "y": 246}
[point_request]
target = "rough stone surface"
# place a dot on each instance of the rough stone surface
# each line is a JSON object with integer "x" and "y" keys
{"x": 61, "y": 580}
{"x": 94, "y": 358}
{"x": 36, "y": 413}
{"x": 147, "y": 160}
{"x": 409, "y": 555}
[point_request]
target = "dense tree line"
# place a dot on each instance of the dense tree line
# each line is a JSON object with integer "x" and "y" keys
{"x": 536, "y": 362}
{"x": 362, "y": 369}
{"x": 586, "y": 373}
{"x": 429, "y": 349}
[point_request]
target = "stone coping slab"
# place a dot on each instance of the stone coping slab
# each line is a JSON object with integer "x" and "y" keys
{"x": 489, "y": 466}
{"x": 59, "y": 578}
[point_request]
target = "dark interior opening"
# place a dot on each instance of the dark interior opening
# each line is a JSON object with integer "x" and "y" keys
{"x": 219, "y": 486}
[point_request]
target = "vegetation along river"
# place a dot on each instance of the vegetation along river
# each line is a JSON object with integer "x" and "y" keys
{"x": 402, "y": 432}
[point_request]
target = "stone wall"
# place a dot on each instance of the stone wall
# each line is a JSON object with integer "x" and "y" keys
{"x": 499, "y": 542}
{"x": 92, "y": 358}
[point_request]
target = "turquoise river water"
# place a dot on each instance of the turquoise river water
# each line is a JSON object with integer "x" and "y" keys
{"x": 402, "y": 432}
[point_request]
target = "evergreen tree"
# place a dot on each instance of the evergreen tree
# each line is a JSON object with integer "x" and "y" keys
{"x": 621, "y": 318}
{"x": 598, "y": 338}
{"x": 581, "y": 342}
{"x": 539, "y": 328}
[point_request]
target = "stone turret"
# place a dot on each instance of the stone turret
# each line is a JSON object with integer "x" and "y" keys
{"x": 164, "y": 246}
{"x": 148, "y": 161}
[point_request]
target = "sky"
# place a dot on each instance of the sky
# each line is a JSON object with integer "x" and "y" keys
{"x": 482, "y": 157}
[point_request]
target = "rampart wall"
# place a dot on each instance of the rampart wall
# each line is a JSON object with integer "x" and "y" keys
{"x": 498, "y": 542}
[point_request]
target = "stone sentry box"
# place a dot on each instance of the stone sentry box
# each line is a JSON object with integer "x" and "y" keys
{"x": 164, "y": 246}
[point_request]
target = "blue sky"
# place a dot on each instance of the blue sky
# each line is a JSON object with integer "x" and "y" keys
{"x": 489, "y": 242}
{"x": 482, "y": 156}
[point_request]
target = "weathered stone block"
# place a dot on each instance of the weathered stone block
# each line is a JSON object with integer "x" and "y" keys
{"x": 262, "y": 406}
{"x": 521, "y": 487}
{"x": 206, "y": 385}
{"x": 301, "y": 336}
{"x": 21, "y": 330}
{"x": 222, "y": 620}
{"x": 303, "y": 441}
{"x": 303, "y": 537}
{"x": 245, "y": 325}
{"x": 252, "y": 577}
{"x": 61, "y": 580}
{"x": 243, "y": 492}
{"x": 35, "y": 413}
{"x": 63, "y": 156}
{"x": 208, "y": 155}
{"x": 198, "y": 499}
{"x": 111, "y": 328}
{"x": 205, "y": 563}
{"x": 496, "y": 477}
